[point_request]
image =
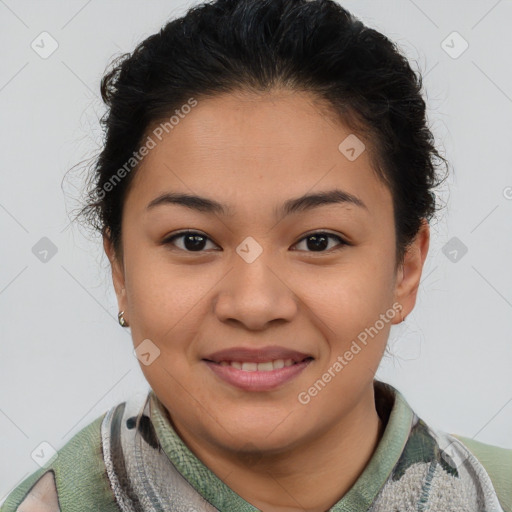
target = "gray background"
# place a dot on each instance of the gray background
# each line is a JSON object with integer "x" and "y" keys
{"x": 64, "y": 359}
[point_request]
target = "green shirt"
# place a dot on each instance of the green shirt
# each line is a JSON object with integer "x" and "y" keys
{"x": 130, "y": 458}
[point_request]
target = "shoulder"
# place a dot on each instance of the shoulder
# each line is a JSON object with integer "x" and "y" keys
{"x": 497, "y": 462}
{"x": 75, "y": 478}
{"x": 454, "y": 470}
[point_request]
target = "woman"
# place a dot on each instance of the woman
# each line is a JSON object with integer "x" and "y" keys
{"x": 264, "y": 196}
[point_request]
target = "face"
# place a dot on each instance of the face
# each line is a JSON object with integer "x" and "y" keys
{"x": 316, "y": 282}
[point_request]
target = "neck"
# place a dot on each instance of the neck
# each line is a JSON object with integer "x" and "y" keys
{"x": 312, "y": 477}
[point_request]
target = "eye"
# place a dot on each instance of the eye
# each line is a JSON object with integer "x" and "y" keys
{"x": 319, "y": 241}
{"x": 193, "y": 241}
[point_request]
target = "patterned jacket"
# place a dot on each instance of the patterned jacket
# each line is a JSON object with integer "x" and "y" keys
{"x": 131, "y": 459}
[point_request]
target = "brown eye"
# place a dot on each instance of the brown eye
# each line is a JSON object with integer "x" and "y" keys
{"x": 193, "y": 241}
{"x": 318, "y": 242}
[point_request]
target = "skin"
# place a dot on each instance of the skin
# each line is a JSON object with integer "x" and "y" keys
{"x": 252, "y": 153}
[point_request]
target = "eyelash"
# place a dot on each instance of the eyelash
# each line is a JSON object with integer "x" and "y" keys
{"x": 168, "y": 241}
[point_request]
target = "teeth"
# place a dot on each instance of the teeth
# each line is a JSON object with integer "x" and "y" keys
{"x": 266, "y": 366}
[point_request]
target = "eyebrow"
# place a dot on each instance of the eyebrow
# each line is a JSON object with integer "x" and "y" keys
{"x": 297, "y": 205}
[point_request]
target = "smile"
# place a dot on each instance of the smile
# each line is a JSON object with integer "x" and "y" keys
{"x": 262, "y": 376}
{"x": 265, "y": 366}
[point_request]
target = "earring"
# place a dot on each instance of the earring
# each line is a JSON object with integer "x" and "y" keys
{"x": 403, "y": 317}
{"x": 122, "y": 321}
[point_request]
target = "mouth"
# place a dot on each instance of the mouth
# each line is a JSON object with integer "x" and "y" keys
{"x": 263, "y": 366}
{"x": 258, "y": 376}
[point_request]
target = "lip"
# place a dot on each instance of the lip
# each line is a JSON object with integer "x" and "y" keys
{"x": 257, "y": 380}
{"x": 257, "y": 355}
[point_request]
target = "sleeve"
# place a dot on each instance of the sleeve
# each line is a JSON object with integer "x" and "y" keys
{"x": 498, "y": 464}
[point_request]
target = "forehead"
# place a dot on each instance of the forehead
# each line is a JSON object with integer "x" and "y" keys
{"x": 254, "y": 149}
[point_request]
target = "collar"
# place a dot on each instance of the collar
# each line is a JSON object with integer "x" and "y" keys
{"x": 391, "y": 407}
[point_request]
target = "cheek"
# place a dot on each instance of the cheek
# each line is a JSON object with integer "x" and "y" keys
{"x": 165, "y": 299}
{"x": 152, "y": 290}
{"x": 350, "y": 303}
{"x": 353, "y": 293}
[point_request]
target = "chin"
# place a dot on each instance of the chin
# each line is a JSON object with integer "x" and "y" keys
{"x": 272, "y": 435}
{"x": 258, "y": 445}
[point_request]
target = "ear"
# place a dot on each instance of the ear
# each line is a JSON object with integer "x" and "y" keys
{"x": 117, "y": 272}
{"x": 409, "y": 273}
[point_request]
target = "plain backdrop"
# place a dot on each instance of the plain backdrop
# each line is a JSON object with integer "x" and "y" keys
{"x": 64, "y": 359}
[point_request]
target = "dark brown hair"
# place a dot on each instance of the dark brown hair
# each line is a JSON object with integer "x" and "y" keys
{"x": 256, "y": 45}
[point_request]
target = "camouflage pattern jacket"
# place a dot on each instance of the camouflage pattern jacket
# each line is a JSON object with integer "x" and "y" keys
{"x": 131, "y": 459}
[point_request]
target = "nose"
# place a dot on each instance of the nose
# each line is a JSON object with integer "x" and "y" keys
{"x": 254, "y": 294}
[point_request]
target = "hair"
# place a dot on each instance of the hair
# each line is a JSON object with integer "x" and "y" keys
{"x": 313, "y": 46}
